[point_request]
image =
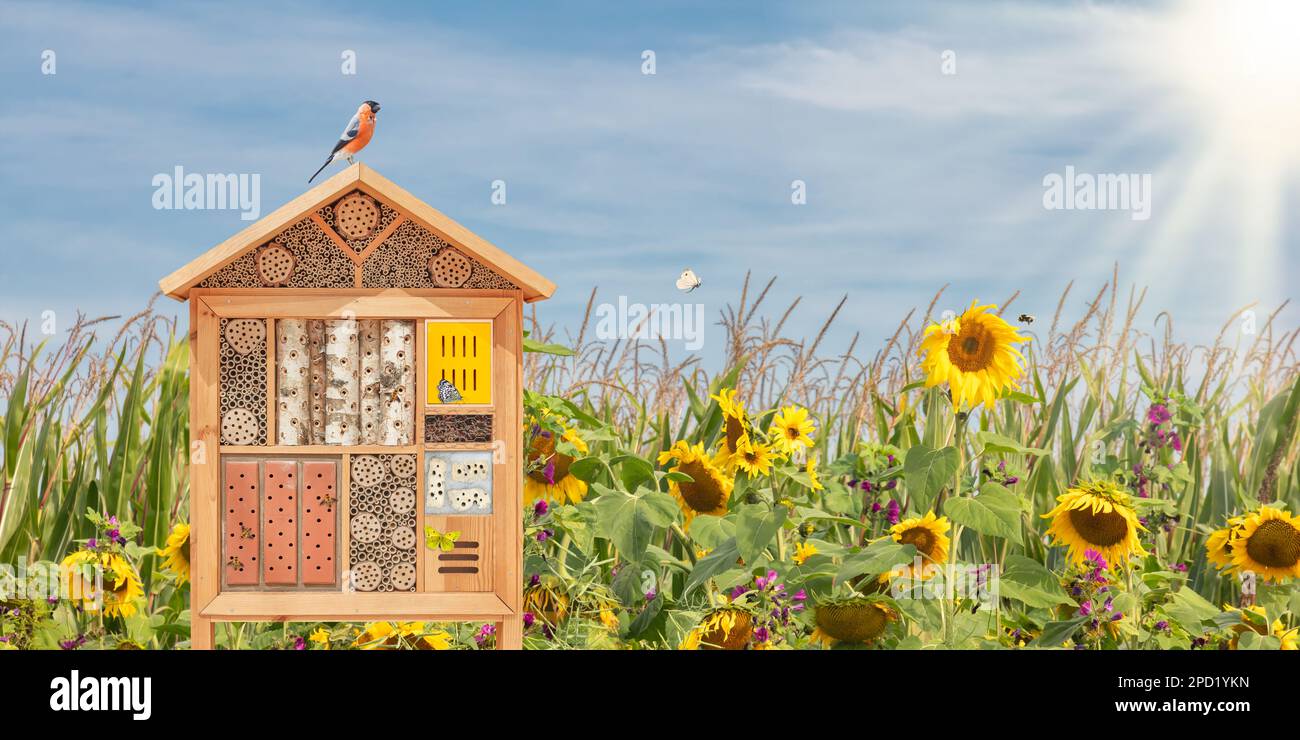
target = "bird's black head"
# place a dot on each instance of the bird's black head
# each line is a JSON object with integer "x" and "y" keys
{"x": 374, "y": 107}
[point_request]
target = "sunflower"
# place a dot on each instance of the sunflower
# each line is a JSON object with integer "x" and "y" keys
{"x": 553, "y": 481}
{"x": 1218, "y": 547}
{"x": 803, "y": 551}
{"x": 1096, "y": 516}
{"x": 812, "y": 474}
{"x": 547, "y": 602}
{"x": 1268, "y": 543}
{"x": 728, "y": 628}
{"x": 122, "y": 585}
{"x": 928, "y": 534}
{"x": 755, "y": 458}
{"x": 1288, "y": 637}
{"x": 401, "y": 635}
{"x": 791, "y": 429}
{"x": 973, "y": 354}
{"x": 177, "y": 552}
{"x": 856, "y": 621}
{"x": 321, "y": 636}
{"x": 733, "y": 417}
{"x": 709, "y": 488}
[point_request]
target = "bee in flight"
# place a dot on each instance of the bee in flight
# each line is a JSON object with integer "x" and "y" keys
{"x": 1026, "y": 318}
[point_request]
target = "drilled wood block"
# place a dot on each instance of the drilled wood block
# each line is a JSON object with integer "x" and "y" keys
{"x": 319, "y": 517}
{"x": 242, "y": 525}
{"x": 280, "y": 530}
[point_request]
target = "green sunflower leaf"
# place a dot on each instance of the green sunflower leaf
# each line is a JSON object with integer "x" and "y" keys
{"x": 878, "y": 557}
{"x": 1056, "y": 633}
{"x": 629, "y": 520}
{"x": 927, "y": 471}
{"x": 994, "y": 512}
{"x": 722, "y": 559}
{"x": 756, "y": 525}
{"x": 1027, "y": 581}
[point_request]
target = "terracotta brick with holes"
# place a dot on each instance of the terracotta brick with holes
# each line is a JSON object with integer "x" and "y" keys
{"x": 319, "y": 514}
{"x": 280, "y": 523}
{"x": 242, "y": 526}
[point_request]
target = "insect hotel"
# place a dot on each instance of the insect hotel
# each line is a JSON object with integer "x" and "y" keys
{"x": 355, "y": 393}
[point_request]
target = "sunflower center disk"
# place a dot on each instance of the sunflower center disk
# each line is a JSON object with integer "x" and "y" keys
{"x": 703, "y": 493}
{"x": 734, "y": 430}
{"x": 544, "y": 448}
{"x": 852, "y": 622}
{"x": 921, "y": 539}
{"x": 1275, "y": 544}
{"x": 1103, "y": 529}
{"x": 971, "y": 351}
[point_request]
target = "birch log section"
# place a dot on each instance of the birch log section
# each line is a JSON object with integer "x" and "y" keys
{"x": 293, "y": 384}
{"x": 372, "y": 411}
{"x": 397, "y": 381}
{"x": 342, "y": 383}
{"x": 316, "y": 345}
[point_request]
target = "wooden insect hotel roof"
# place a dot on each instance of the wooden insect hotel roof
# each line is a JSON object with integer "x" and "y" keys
{"x": 357, "y": 230}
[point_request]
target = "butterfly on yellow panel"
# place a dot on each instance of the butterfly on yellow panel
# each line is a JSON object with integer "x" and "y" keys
{"x": 435, "y": 540}
{"x": 688, "y": 281}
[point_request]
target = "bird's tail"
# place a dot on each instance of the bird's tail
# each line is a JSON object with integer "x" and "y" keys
{"x": 322, "y": 169}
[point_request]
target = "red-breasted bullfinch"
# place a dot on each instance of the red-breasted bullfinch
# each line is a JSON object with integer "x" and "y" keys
{"x": 355, "y": 137}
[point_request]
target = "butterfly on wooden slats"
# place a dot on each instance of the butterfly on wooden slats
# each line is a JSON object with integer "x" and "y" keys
{"x": 688, "y": 281}
{"x": 435, "y": 540}
{"x": 447, "y": 392}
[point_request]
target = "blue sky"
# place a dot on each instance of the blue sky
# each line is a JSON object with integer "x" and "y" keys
{"x": 620, "y": 180}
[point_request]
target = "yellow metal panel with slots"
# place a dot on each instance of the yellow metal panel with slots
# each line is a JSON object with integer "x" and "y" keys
{"x": 461, "y": 352}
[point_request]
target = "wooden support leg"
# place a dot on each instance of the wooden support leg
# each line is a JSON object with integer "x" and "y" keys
{"x": 510, "y": 633}
{"x": 203, "y": 633}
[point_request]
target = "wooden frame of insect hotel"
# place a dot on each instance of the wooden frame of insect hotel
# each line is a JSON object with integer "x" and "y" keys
{"x": 355, "y": 391}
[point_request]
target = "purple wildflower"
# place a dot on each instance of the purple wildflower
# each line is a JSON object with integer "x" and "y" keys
{"x": 549, "y": 472}
{"x": 536, "y": 579}
{"x": 299, "y": 643}
{"x": 1085, "y": 609}
{"x": 540, "y": 508}
{"x": 545, "y": 535}
{"x": 875, "y": 507}
{"x": 529, "y": 619}
{"x": 1162, "y": 625}
{"x": 892, "y": 514}
{"x": 760, "y": 634}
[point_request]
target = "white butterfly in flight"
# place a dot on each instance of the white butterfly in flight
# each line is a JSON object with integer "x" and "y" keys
{"x": 688, "y": 281}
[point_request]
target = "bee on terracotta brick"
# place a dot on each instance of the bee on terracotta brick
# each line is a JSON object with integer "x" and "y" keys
{"x": 235, "y": 562}
{"x": 245, "y": 533}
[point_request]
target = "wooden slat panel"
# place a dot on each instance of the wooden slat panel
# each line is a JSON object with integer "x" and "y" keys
{"x": 446, "y": 572}
{"x": 320, "y": 509}
{"x": 348, "y": 606}
{"x": 205, "y": 468}
{"x": 390, "y": 303}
